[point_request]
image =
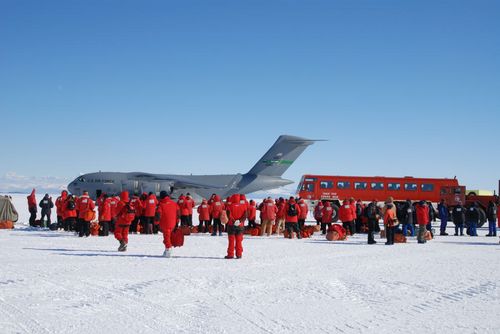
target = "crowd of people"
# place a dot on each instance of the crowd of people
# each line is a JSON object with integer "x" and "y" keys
{"x": 149, "y": 214}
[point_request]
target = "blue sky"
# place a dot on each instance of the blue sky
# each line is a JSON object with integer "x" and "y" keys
{"x": 398, "y": 87}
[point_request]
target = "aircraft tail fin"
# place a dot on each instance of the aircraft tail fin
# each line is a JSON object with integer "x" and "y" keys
{"x": 281, "y": 156}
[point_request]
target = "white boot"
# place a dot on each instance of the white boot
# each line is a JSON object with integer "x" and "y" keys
{"x": 167, "y": 252}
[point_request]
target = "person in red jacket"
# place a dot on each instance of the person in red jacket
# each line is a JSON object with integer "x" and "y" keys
{"x": 346, "y": 216}
{"x": 268, "y": 211}
{"x": 189, "y": 205}
{"x": 168, "y": 213}
{"x": 70, "y": 213}
{"x": 136, "y": 202}
{"x": 32, "y": 207}
{"x": 216, "y": 209}
{"x": 113, "y": 204}
{"x": 203, "y": 216}
{"x": 181, "y": 202}
{"x": 235, "y": 226}
{"x": 318, "y": 212}
{"x": 280, "y": 216}
{"x": 304, "y": 210}
{"x": 60, "y": 208}
{"x": 85, "y": 207}
{"x": 352, "y": 204}
{"x": 422, "y": 211}
{"x": 149, "y": 213}
{"x": 252, "y": 213}
{"x": 104, "y": 216}
{"x": 125, "y": 216}
{"x": 292, "y": 211}
{"x": 326, "y": 216}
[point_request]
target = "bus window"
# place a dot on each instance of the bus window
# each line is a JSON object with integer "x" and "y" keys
{"x": 394, "y": 186}
{"x": 308, "y": 187}
{"x": 326, "y": 184}
{"x": 411, "y": 186}
{"x": 427, "y": 187}
{"x": 377, "y": 185}
{"x": 343, "y": 185}
{"x": 360, "y": 185}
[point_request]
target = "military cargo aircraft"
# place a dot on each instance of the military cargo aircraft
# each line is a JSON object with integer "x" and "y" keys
{"x": 265, "y": 175}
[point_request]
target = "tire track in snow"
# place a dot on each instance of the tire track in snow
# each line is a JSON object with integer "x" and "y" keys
{"x": 30, "y": 324}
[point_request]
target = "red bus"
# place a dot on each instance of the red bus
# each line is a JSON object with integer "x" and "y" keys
{"x": 337, "y": 188}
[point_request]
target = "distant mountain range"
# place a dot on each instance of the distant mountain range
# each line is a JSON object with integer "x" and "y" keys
{"x": 14, "y": 183}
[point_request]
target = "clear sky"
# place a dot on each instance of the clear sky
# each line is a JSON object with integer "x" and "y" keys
{"x": 398, "y": 87}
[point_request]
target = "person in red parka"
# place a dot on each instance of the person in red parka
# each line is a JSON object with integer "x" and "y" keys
{"x": 326, "y": 217}
{"x": 318, "y": 212}
{"x": 168, "y": 213}
{"x": 203, "y": 216}
{"x": 60, "y": 208}
{"x": 104, "y": 216}
{"x": 136, "y": 202}
{"x": 346, "y": 215}
{"x": 292, "y": 211}
{"x": 125, "y": 216}
{"x": 32, "y": 207}
{"x": 304, "y": 210}
{"x": 251, "y": 213}
{"x": 69, "y": 213}
{"x": 422, "y": 211}
{"x": 235, "y": 226}
{"x": 352, "y": 204}
{"x": 85, "y": 207}
{"x": 149, "y": 213}
{"x": 216, "y": 209}
{"x": 113, "y": 204}
{"x": 281, "y": 215}
{"x": 268, "y": 211}
{"x": 189, "y": 205}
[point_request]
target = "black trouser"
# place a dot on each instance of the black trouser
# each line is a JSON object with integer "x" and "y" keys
{"x": 349, "y": 227}
{"x": 45, "y": 214}
{"x": 60, "y": 222}
{"x": 251, "y": 223}
{"x": 389, "y": 234}
{"x": 112, "y": 224}
{"x": 372, "y": 224}
{"x": 184, "y": 220}
{"x": 318, "y": 222}
{"x": 84, "y": 228}
{"x": 104, "y": 230}
{"x": 325, "y": 227}
{"x": 147, "y": 227}
{"x": 293, "y": 227}
{"x": 190, "y": 220}
{"x": 69, "y": 224}
{"x": 133, "y": 225}
{"x": 359, "y": 223}
{"x": 217, "y": 225}
{"x": 301, "y": 223}
{"x": 156, "y": 227}
{"x": 32, "y": 217}
{"x": 203, "y": 229}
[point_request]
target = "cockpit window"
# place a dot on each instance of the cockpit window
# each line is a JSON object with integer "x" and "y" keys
{"x": 81, "y": 179}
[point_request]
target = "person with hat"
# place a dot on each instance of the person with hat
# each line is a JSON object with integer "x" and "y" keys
{"x": 168, "y": 213}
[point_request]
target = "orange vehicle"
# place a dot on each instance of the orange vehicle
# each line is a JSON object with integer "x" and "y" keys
{"x": 337, "y": 188}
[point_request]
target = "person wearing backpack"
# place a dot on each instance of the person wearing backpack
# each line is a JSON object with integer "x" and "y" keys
{"x": 372, "y": 213}
{"x": 125, "y": 216}
{"x": 491, "y": 214}
{"x": 235, "y": 226}
{"x": 85, "y": 207}
{"x": 292, "y": 210}
{"x": 168, "y": 213}
{"x": 70, "y": 213}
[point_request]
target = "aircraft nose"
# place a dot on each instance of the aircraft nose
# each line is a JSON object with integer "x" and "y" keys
{"x": 72, "y": 186}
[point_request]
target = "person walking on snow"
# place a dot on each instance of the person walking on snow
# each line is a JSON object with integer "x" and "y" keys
{"x": 125, "y": 216}
{"x": 168, "y": 213}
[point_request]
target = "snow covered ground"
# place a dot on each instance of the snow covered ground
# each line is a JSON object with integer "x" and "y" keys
{"x": 54, "y": 282}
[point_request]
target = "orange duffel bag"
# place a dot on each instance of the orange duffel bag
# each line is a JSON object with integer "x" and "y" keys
{"x": 6, "y": 224}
